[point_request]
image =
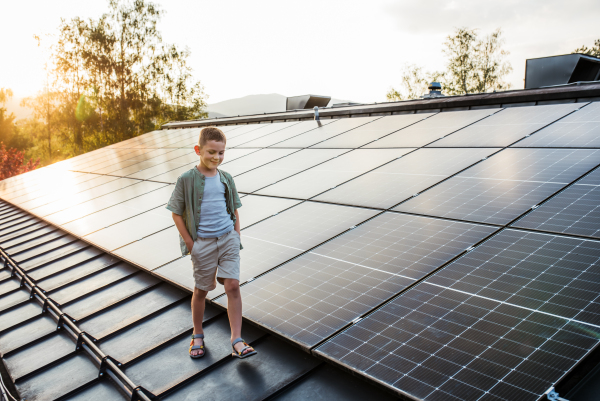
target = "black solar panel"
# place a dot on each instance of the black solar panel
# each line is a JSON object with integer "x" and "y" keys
{"x": 286, "y": 134}
{"x": 507, "y": 126}
{"x": 433, "y": 128}
{"x": 325, "y": 132}
{"x": 328, "y": 175}
{"x": 373, "y": 131}
{"x": 268, "y": 129}
{"x": 504, "y": 186}
{"x": 578, "y": 130}
{"x": 313, "y": 296}
{"x": 394, "y": 182}
{"x": 576, "y": 210}
{"x": 289, "y": 165}
{"x": 504, "y": 322}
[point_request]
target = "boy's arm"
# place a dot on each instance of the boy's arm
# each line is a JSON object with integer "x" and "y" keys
{"x": 236, "y": 226}
{"x": 180, "y": 224}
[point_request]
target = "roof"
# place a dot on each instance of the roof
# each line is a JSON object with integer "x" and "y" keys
{"x": 435, "y": 254}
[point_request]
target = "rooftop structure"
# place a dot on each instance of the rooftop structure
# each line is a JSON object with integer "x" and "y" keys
{"x": 436, "y": 249}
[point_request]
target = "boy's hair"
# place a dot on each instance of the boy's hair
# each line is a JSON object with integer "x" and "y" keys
{"x": 211, "y": 134}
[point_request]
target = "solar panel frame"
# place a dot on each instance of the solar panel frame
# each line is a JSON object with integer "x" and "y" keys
{"x": 575, "y": 210}
{"x": 507, "y": 126}
{"x": 285, "y": 134}
{"x": 450, "y": 337}
{"x": 372, "y": 131}
{"x": 580, "y": 129}
{"x": 327, "y": 175}
{"x": 431, "y": 129}
{"x": 400, "y": 179}
{"x": 504, "y": 186}
{"x": 328, "y": 131}
{"x": 313, "y": 296}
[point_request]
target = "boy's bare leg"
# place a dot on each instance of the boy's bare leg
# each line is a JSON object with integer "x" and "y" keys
{"x": 234, "y": 310}
{"x": 198, "y": 303}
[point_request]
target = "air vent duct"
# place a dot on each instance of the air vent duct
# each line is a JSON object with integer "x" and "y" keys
{"x": 561, "y": 70}
{"x": 306, "y": 102}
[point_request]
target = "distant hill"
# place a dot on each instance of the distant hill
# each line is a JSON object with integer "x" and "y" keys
{"x": 253, "y": 104}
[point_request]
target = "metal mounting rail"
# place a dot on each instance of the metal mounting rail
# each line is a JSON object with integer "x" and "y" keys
{"x": 107, "y": 364}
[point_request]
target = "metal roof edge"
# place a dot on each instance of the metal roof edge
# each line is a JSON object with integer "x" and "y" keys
{"x": 556, "y": 93}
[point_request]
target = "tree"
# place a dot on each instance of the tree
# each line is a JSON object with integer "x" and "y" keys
{"x": 414, "y": 83}
{"x": 11, "y": 162}
{"x": 113, "y": 78}
{"x": 592, "y": 51}
{"x": 475, "y": 65}
{"x": 7, "y": 121}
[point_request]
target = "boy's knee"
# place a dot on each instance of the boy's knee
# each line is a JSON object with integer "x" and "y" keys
{"x": 232, "y": 286}
{"x": 199, "y": 294}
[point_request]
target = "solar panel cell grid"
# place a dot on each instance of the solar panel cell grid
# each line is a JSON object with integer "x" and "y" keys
{"x": 325, "y": 132}
{"x": 431, "y": 129}
{"x": 578, "y": 130}
{"x": 283, "y": 168}
{"x": 576, "y": 210}
{"x": 320, "y": 292}
{"x": 370, "y": 132}
{"x": 509, "y": 318}
{"x": 268, "y": 129}
{"x": 284, "y": 134}
{"x": 394, "y": 182}
{"x": 507, "y": 126}
{"x": 504, "y": 186}
{"x": 327, "y": 175}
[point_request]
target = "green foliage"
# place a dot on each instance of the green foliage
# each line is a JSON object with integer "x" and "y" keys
{"x": 591, "y": 51}
{"x": 414, "y": 83}
{"x": 111, "y": 79}
{"x": 474, "y": 65}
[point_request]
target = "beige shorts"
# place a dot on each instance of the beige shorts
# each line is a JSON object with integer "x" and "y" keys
{"x": 216, "y": 259}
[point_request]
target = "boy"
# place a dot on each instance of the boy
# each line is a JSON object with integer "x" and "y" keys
{"x": 204, "y": 204}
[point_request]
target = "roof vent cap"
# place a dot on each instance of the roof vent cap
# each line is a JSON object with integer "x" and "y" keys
{"x": 435, "y": 90}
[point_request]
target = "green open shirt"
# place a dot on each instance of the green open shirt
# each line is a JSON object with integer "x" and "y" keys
{"x": 187, "y": 198}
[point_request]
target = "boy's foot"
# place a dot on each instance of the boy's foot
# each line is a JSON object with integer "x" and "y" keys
{"x": 197, "y": 346}
{"x": 242, "y": 349}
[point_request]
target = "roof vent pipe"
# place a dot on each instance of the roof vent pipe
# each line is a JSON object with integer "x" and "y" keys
{"x": 316, "y": 109}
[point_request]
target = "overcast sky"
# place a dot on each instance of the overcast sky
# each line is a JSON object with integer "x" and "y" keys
{"x": 346, "y": 49}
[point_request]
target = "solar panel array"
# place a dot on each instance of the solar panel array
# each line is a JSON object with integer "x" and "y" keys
{"x": 449, "y": 255}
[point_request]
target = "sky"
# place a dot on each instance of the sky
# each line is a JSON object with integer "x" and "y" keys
{"x": 346, "y": 49}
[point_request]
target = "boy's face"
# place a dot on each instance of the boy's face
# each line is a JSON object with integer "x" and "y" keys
{"x": 211, "y": 154}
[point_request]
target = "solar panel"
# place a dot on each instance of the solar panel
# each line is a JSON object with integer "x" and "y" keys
{"x": 154, "y": 250}
{"x": 119, "y": 212}
{"x": 174, "y": 168}
{"x": 66, "y": 201}
{"x": 286, "y": 166}
{"x": 132, "y": 229}
{"x": 257, "y": 208}
{"x": 325, "y": 132}
{"x": 254, "y": 160}
{"x": 371, "y": 132}
{"x": 506, "y": 321}
{"x": 268, "y": 129}
{"x": 328, "y": 175}
{"x": 576, "y": 210}
{"x": 578, "y": 130}
{"x": 507, "y": 126}
{"x": 287, "y": 133}
{"x": 431, "y": 129}
{"x": 288, "y": 234}
{"x": 313, "y": 296}
{"x": 102, "y": 202}
{"x": 504, "y": 186}
{"x": 394, "y": 182}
